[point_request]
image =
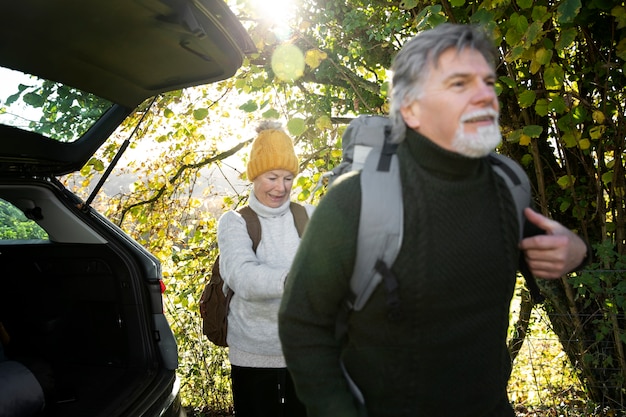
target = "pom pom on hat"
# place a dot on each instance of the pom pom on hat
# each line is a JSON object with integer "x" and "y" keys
{"x": 272, "y": 149}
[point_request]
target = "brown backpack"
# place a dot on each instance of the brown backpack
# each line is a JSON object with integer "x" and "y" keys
{"x": 213, "y": 302}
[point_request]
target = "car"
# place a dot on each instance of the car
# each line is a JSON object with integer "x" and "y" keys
{"x": 82, "y": 325}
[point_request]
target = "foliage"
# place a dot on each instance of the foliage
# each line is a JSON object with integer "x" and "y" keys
{"x": 15, "y": 225}
{"x": 560, "y": 86}
{"x": 64, "y": 113}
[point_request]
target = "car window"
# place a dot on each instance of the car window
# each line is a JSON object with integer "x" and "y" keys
{"x": 15, "y": 226}
{"x": 46, "y": 107}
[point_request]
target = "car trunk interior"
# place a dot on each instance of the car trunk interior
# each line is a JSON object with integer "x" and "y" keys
{"x": 67, "y": 310}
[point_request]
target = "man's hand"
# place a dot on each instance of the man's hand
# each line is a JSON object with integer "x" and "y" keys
{"x": 554, "y": 254}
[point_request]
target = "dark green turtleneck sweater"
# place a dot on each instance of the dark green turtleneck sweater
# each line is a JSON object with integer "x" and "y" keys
{"x": 447, "y": 356}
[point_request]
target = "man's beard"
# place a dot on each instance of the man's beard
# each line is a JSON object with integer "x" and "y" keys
{"x": 479, "y": 144}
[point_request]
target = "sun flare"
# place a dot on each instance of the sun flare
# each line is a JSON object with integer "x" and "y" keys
{"x": 278, "y": 12}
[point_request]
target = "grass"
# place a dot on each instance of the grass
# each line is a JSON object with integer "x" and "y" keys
{"x": 543, "y": 382}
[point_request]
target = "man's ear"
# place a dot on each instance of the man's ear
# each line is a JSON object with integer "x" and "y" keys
{"x": 411, "y": 115}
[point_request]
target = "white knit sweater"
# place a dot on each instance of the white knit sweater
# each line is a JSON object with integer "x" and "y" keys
{"x": 257, "y": 280}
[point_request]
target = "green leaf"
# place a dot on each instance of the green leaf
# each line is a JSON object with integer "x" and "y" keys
{"x": 607, "y": 177}
{"x": 567, "y": 11}
{"x": 271, "y": 114}
{"x": 85, "y": 170}
{"x": 566, "y": 38}
{"x": 570, "y": 139}
{"x": 514, "y": 136}
{"x": 457, "y": 3}
{"x": 517, "y": 52}
{"x": 524, "y": 4}
{"x": 543, "y": 56}
{"x": 534, "y": 131}
{"x": 200, "y": 114}
{"x": 483, "y": 17}
{"x": 527, "y": 159}
{"x": 541, "y": 107}
{"x": 408, "y": 4}
{"x": 516, "y": 29}
{"x": 621, "y": 49}
{"x": 33, "y": 99}
{"x": 526, "y": 98}
{"x": 534, "y": 32}
{"x": 425, "y": 18}
{"x": 518, "y": 22}
{"x": 296, "y": 126}
{"x": 249, "y": 107}
{"x": 619, "y": 12}
{"x": 541, "y": 14}
{"x": 167, "y": 113}
{"x": 553, "y": 77}
{"x": 558, "y": 105}
{"x": 508, "y": 81}
{"x": 566, "y": 181}
{"x": 12, "y": 98}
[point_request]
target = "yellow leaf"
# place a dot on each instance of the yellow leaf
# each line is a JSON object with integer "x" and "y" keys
{"x": 323, "y": 123}
{"x": 534, "y": 66}
{"x": 596, "y": 132}
{"x": 584, "y": 144}
{"x": 314, "y": 57}
{"x": 598, "y": 117}
{"x": 524, "y": 140}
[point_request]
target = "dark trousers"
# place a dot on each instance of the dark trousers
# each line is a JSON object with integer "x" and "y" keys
{"x": 264, "y": 392}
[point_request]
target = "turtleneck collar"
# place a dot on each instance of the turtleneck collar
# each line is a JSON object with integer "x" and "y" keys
{"x": 438, "y": 161}
{"x": 265, "y": 211}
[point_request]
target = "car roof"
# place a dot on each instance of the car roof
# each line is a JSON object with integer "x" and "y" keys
{"x": 123, "y": 51}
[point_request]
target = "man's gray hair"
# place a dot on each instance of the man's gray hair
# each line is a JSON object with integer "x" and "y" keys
{"x": 411, "y": 65}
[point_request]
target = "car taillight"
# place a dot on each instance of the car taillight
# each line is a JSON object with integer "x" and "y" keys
{"x": 162, "y": 284}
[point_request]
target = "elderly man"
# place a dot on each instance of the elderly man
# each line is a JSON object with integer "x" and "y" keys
{"x": 456, "y": 269}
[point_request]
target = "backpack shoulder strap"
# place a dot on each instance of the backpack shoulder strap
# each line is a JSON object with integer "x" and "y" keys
{"x": 517, "y": 181}
{"x": 300, "y": 216}
{"x": 519, "y": 185}
{"x": 252, "y": 224}
{"x": 380, "y": 225}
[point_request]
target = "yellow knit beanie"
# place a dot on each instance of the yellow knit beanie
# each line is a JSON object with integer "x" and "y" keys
{"x": 272, "y": 149}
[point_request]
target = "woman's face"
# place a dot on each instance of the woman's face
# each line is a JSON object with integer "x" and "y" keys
{"x": 272, "y": 188}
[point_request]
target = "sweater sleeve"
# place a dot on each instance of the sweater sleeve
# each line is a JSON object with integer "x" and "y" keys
{"x": 240, "y": 267}
{"x": 317, "y": 284}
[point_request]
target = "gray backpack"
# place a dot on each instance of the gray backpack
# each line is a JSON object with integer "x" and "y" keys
{"x": 365, "y": 148}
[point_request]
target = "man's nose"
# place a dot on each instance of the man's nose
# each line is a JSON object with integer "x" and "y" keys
{"x": 485, "y": 93}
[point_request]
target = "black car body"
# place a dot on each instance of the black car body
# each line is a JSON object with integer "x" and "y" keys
{"x": 80, "y": 301}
